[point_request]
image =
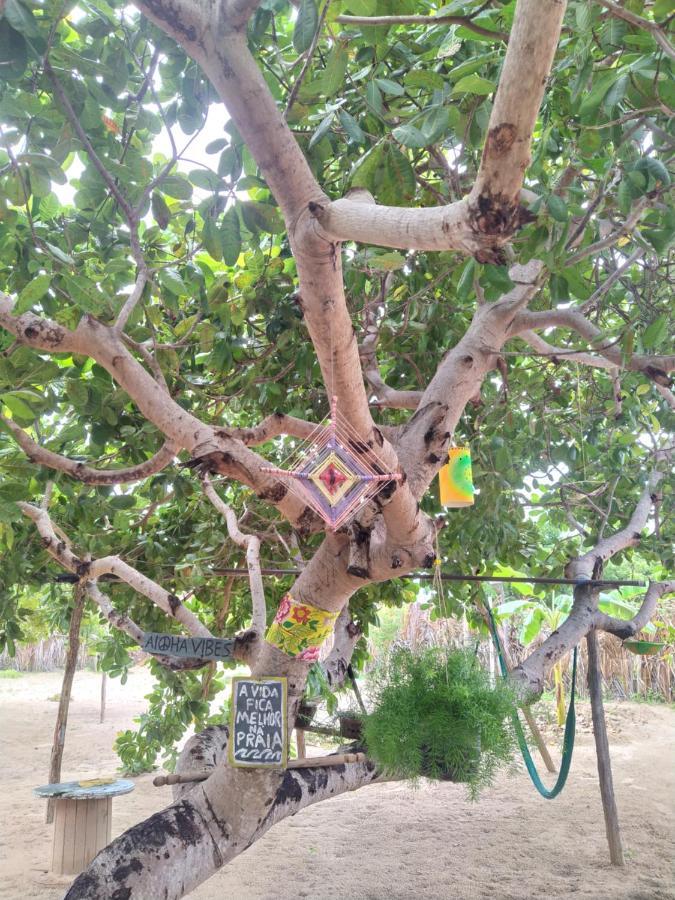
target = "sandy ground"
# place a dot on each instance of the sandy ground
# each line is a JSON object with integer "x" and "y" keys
{"x": 385, "y": 842}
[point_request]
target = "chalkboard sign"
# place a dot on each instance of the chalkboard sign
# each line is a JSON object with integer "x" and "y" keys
{"x": 258, "y": 729}
{"x": 199, "y": 648}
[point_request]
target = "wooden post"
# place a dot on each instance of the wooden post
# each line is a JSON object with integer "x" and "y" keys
{"x": 602, "y": 749}
{"x": 300, "y": 741}
{"x": 538, "y": 738}
{"x": 64, "y": 700}
{"x": 103, "y": 687}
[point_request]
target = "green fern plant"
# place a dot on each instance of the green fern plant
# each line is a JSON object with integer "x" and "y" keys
{"x": 436, "y": 715}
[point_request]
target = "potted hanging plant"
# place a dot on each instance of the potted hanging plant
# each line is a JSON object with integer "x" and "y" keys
{"x": 437, "y": 715}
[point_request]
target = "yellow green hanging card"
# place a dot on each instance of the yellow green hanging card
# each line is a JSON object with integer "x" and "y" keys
{"x": 455, "y": 479}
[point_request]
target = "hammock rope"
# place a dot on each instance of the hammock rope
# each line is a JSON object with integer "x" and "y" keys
{"x": 570, "y": 726}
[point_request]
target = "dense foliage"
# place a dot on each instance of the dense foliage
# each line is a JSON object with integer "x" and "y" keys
{"x": 437, "y": 715}
{"x": 402, "y": 111}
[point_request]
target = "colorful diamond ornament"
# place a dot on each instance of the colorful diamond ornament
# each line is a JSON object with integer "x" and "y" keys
{"x": 334, "y": 472}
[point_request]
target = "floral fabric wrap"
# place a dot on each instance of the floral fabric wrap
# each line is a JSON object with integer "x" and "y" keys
{"x": 299, "y": 629}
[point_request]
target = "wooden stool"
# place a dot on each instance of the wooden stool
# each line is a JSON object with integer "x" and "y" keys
{"x": 82, "y": 820}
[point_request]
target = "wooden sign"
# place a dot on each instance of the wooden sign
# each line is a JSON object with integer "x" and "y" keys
{"x": 199, "y": 648}
{"x": 258, "y": 723}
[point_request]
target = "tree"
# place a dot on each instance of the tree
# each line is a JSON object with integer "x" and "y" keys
{"x": 398, "y": 207}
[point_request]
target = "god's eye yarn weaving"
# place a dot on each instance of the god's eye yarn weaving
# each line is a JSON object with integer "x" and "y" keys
{"x": 334, "y": 472}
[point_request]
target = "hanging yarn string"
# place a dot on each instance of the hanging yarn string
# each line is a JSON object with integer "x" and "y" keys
{"x": 455, "y": 479}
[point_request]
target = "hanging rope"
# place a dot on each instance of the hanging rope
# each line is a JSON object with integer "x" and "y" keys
{"x": 570, "y": 726}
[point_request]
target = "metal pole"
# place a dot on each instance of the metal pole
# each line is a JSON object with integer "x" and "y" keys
{"x": 428, "y": 576}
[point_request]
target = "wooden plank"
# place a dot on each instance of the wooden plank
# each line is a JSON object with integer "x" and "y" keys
{"x": 188, "y": 647}
{"x": 258, "y": 723}
{"x": 69, "y": 838}
{"x": 59, "y": 835}
{"x": 79, "y": 835}
{"x": 103, "y": 822}
{"x": 91, "y": 845}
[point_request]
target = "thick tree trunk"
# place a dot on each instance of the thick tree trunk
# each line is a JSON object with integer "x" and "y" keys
{"x": 208, "y": 824}
{"x": 64, "y": 699}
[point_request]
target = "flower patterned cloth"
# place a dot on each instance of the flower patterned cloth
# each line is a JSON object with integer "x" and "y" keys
{"x": 299, "y": 629}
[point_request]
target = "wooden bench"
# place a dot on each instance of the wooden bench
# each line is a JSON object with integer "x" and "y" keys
{"x": 82, "y": 820}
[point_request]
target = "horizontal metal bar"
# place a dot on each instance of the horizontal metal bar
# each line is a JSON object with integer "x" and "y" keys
{"x": 429, "y": 576}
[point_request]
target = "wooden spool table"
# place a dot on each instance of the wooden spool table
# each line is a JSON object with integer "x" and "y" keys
{"x": 82, "y": 820}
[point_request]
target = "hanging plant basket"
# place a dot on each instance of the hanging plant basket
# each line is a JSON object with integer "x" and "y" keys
{"x": 644, "y": 648}
{"x": 437, "y": 715}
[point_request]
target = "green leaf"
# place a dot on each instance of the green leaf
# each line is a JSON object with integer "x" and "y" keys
{"x": 171, "y": 280}
{"x": 262, "y": 217}
{"x": 29, "y": 295}
{"x": 77, "y": 392}
{"x": 435, "y": 124}
{"x": 211, "y": 239}
{"x": 557, "y": 208}
{"x": 59, "y": 254}
{"x": 160, "y": 211}
{"x": 351, "y": 127}
{"x": 306, "y": 24}
{"x": 334, "y": 73}
{"x": 216, "y": 146}
{"x": 655, "y": 334}
{"x": 473, "y": 84}
{"x": 498, "y": 277}
{"x": 367, "y": 166}
{"x": 17, "y": 406}
{"x": 324, "y": 128}
{"x": 374, "y": 98}
{"x": 13, "y": 52}
{"x": 206, "y": 180}
{"x": 532, "y": 626}
{"x": 419, "y": 78}
{"x": 230, "y": 236}
{"x": 409, "y": 136}
{"x": 465, "y": 283}
{"x": 46, "y": 163}
{"x": 387, "y": 86}
{"x": 398, "y": 183}
{"x": 176, "y": 186}
{"x": 21, "y": 18}
{"x": 653, "y": 168}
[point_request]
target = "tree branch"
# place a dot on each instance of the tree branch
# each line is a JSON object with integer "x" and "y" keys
{"x": 629, "y": 536}
{"x": 652, "y": 27}
{"x": 389, "y": 21}
{"x": 654, "y": 367}
{"x": 252, "y": 545}
{"x": 273, "y": 426}
{"x": 87, "y": 570}
{"x": 208, "y": 445}
{"x": 632, "y": 219}
{"x": 84, "y": 473}
{"x": 627, "y": 628}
